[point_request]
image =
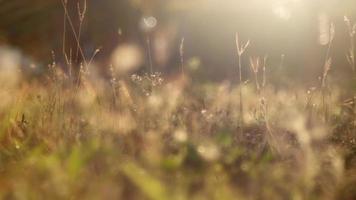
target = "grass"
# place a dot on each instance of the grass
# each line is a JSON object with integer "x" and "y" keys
{"x": 157, "y": 139}
{"x": 141, "y": 136}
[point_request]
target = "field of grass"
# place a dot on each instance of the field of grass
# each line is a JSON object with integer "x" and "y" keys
{"x": 143, "y": 137}
{"x": 75, "y": 134}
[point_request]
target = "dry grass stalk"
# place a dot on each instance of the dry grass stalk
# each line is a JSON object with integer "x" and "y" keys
{"x": 81, "y": 16}
{"x": 270, "y": 137}
{"x": 264, "y": 80}
{"x": 255, "y": 66}
{"x": 113, "y": 84}
{"x": 241, "y": 48}
{"x": 351, "y": 54}
{"x": 70, "y": 21}
{"x": 93, "y": 56}
{"x": 181, "y": 53}
{"x": 64, "y": 39}
{"x": 150, "y": 62}
{"x": 326, "y": 70}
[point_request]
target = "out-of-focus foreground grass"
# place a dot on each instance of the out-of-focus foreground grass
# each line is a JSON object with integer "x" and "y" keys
{"x": 144, "y": 137}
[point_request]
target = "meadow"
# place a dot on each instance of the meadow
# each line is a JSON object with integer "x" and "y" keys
{"x": 71, "y": 133}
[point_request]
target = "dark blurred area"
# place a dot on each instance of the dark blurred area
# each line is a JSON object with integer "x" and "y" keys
{"x": 293, "y": 28}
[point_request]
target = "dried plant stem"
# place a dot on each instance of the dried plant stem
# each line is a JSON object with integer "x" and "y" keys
{"x": 81, "y": 15}
{"x": 264, "y": 80}
{"x": 148, "y": 43}
{"x": 270, "y": 138}
{"x": 181, "y": 53}
{"x": 240, "y": 50}
{"x": 70, "y": 66}
{"x": 68, "y": 60}
{"x": 309, "y": 106}
{"x": 80, "y": 74}
{"x": 73, "y": 30}
{"x": 93, "y": 56}
{"x": 351, "y": 54}
{"x": 241, "y": 98}
{"x": 326, "y": 69}
{"x": 113, "y": 84}
{"x": 255, "y": 65}
{"x": 64, "y": 33}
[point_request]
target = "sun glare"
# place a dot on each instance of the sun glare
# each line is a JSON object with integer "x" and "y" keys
{"x": 178, "y": 99}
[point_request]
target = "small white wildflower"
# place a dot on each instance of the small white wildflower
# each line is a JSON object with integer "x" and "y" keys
{"x": 148, "y": 23}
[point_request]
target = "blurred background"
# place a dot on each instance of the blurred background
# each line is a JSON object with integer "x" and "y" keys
{"x": 296, "y": 30}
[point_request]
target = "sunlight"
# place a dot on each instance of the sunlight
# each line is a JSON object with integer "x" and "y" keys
{"x": 282, "y": 12}
{"x": 178, "y": 99}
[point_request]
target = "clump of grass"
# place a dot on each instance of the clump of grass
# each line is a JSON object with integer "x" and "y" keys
{"x": 74, "y": 141}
